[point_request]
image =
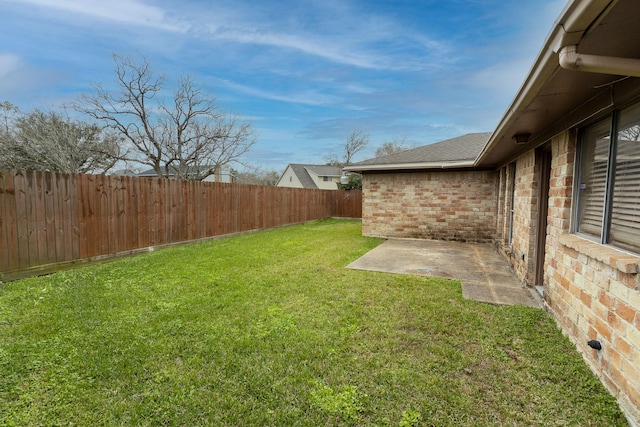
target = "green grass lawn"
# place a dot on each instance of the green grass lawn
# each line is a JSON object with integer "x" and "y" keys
{"x": 270, "y": 329}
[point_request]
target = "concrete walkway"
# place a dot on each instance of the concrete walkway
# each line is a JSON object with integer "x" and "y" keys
{"x": 484, "y": 274}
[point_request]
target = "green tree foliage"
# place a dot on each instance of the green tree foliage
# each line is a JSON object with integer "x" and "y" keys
{"x": 354, "y": 182}
{"x": 52, "y": 141}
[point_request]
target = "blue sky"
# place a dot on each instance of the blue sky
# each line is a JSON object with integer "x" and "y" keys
{"x": 306, "y": 73}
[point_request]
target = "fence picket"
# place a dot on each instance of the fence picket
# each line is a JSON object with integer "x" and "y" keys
{"x": 48, "y": 218}
{"x": 4, "y": 239}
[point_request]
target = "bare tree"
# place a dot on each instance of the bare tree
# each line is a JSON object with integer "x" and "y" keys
{"x": 255, "y": 175}
{"x": 53, "y": 142}
{"x": 8, "y": 115}
{"x": 356, "y": 142}
{"x": 186, "y": 138}
{"x": 392, "y": 146}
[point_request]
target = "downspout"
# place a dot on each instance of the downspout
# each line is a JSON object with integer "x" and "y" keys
{"x": 570, "y": 59}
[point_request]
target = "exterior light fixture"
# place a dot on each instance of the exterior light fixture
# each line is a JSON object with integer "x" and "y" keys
{"x": 344, "y": 178}
{"x": 521, "y": 138}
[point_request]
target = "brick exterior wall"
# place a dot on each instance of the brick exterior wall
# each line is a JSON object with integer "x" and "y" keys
{"x": 592, "y": 290}
{"x": 521, "y": 253}
{"x": 504, "y": 206}
{"x": 443, "y": 205}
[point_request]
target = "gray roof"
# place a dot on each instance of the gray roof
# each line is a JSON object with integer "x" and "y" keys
{"x": 324, "y": 170}
{"x": 460, "y": 151}
{"x": 302, "y": 173}
{"x": 163, "y": 170}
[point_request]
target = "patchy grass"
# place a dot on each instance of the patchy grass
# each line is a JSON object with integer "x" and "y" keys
{"x": 269, "y": 328}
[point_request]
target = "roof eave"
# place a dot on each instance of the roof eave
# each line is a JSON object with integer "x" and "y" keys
{"x": 410, "y": 166}
{"x": 569, "y": 28}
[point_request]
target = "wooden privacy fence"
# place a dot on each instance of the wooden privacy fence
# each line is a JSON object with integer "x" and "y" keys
{"x": 47, "y": 219}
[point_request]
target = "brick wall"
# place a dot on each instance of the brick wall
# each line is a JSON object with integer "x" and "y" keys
{"x": 521, "y": 252}
{"x": 439, "y": 205}
{"x": 592, "y": 290}
{"x": 504, "y": 206}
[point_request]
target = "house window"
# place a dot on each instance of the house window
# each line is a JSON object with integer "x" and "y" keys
{"x": 608, "y": 189}
{"x": 326, "y": 178}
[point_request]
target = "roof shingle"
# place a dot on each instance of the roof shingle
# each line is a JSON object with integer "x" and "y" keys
{"x": 459, "y": 149}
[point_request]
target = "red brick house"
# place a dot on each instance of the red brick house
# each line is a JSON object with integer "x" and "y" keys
{"x": 556, "y": 187}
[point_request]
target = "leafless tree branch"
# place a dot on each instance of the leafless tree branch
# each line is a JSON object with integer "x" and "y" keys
{"x": 187, "y": 137}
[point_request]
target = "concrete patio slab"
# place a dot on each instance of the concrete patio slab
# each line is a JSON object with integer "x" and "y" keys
{"x": 484, "y": 274}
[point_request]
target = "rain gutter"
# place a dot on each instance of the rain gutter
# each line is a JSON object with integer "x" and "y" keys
{"x": 411, "y": 166}
{"x": 570, "y": 59}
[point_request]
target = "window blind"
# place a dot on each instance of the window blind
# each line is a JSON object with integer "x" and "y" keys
{"x": 625, "y": 214}
{"x": 593, "y": 178}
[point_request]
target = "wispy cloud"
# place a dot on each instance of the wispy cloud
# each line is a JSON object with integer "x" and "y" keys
{"x": 305, "y": 97}
{"x": 132, "y": 12}
{"x": 326, "y": 49}
{"x": 9, "y": 64}
{"x": 339, "y": 32}
{"x": 18, "y": 78}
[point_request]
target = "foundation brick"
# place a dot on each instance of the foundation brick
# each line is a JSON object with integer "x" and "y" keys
{"x": 603, "y": 329}
{"x": 614, "y": 358}
{"x": 625, "y": 312}
{"x": 634, "y": 301}
{"x": 585, "y": 298}
{"x": 623, "y": 346}
{"x": 619, "y": 291}
{"x": 633, "y": 336}
{"x": 606, "y": 299}
{"x": 618, "y": 377}
{"x": 629, "y": 280}
{"x": 616, "y": 323}
{"x": 600, "y": 310}
{"x": 631, "y": 372}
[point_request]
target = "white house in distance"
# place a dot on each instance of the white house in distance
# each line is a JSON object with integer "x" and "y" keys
{"x": 322, "y": 177}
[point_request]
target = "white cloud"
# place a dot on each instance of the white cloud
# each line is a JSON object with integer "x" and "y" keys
{"x": 9, "y": 64}
{"x": 122, "y": 11}
{"x": 333, "y": 31}
{"x": 19, "y": 81}
{"x": 303, "y": 97}
{"x": 327, "y": 49}
{"x": 337, "y": 33}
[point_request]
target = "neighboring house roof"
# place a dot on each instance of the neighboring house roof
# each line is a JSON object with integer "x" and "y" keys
{"x": 324, "y": 170}
{"x": 455, "y": 152}
{"x": 123, "y": 172}
{"x": 302, "y": 173}
{"x": 190, "y": 170}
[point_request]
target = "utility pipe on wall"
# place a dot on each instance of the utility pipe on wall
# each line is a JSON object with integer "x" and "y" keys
{"x": 570, "y": 59}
